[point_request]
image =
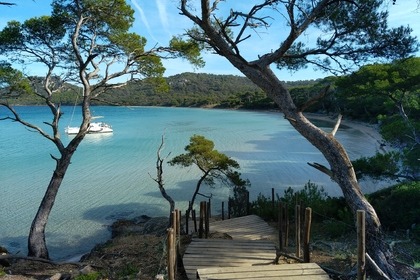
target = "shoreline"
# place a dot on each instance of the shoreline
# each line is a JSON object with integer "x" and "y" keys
{"x": 370, "y": 130}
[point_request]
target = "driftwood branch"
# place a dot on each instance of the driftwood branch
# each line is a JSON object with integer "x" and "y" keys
{"x": 376, "y": 267}
{"x": 280, "y": 253}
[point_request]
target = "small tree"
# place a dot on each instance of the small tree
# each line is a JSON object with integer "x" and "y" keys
{"x": 214, "y": 165}
{"x": 159, "y": 178}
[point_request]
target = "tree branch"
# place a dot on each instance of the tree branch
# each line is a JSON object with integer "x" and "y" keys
{"x": 337, "y": 125}
{"x": 321, "y": 168}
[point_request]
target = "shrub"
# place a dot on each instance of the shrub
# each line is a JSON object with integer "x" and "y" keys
{"x": 239, "y": 201}
{"x": 90, "y": 276}
{"x": 263, "y": 207}
{"x": 129, "y": 271}
{"x": 397, "y": 206}
{"x": 332, "y": 213}
{"x": 312, "y": 195}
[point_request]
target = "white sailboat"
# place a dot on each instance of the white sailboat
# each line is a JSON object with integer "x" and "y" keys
{"x": 94, "y": 127}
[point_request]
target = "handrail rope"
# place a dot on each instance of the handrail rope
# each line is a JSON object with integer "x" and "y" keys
{"x": 333, "y": 219}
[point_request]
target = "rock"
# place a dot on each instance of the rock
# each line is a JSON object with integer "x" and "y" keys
{"x": 140, "y": 225}
{"x": 156, "y": 226}
{"x": 86, "y": 270}
{"x": 124, "y": 227}
{"x": 3, "y": 251}
{"x": 56, "y": 276}
{"x": 141, "y": 219}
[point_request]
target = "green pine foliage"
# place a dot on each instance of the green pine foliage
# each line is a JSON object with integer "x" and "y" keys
{"x": 398, "y": 207}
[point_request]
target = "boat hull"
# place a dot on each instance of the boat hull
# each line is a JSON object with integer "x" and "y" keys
{"x": 94, "y": 128}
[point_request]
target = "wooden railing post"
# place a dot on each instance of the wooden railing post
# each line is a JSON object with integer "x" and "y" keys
{"x": 173, "y": 219}
{"x": 178, "y": 229}
{"x": 280, "y": 225}
{"x": 272, "y": 199}
{"x": 248, "y": 204}
{"x": 297, "y": 228}
{"x": 209, "y": 208}
{"x": 201, "y": 222}
{"x": 187, "y": 220}
{"x": 361, "y": 250}
{"x": 307, "y": 235}
{"x": 194, "y": 217}
{"x": 229, "y": 207}
{"x": 171, "y": 254}
{"x": 223, "y": 210}
{"x": 286, "y": 224}
{"x": 206, "y": 219}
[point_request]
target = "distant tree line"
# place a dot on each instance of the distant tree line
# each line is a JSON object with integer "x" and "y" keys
{"x": 181, "y": 90}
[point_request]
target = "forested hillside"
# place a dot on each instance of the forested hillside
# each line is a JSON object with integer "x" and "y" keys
{"x": 182, "y": 90}
{"x": 196, "y": 90}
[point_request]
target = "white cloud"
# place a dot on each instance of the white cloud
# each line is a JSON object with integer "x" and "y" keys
{"x": 144, "y": 20}
{"x": 163, "y": 16}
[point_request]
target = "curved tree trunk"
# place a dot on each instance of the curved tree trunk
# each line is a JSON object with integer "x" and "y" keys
{"x": 197, "y": 189}
{"x": 36, "y": 241}
{"x": 341, "y": 169}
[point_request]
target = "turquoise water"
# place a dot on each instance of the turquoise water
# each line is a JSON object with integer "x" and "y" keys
{"x": 110, "y": 175}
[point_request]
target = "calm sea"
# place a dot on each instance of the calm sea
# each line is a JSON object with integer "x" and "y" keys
{"x": 110, "y": 175}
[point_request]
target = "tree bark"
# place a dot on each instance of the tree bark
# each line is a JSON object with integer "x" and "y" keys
{"x": 36, "y": 240}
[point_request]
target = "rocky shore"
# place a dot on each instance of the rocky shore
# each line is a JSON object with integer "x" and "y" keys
{"x": 135, "y": 251}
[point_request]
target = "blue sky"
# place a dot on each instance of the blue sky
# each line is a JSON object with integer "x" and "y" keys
{"x": 159, "y": 20}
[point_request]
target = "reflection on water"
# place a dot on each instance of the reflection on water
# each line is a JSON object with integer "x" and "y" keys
{"x": 93, "y": 138}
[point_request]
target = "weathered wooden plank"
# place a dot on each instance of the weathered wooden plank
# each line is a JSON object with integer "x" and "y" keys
{"x": 279, "y": 267}
{"x": 254, "y": 253}
{"x": 238, "y": 250}
{"x": 290, "y": 271}
{"x": 250, "y": 277}
{"x": 231, "y": 241}
{"x": 228, "y": 260}
{"x": 249, "y": 246}
{"x": 214, "y": 258}
{"x": 249, "y": 227}
{"x": 260, "y": 274}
